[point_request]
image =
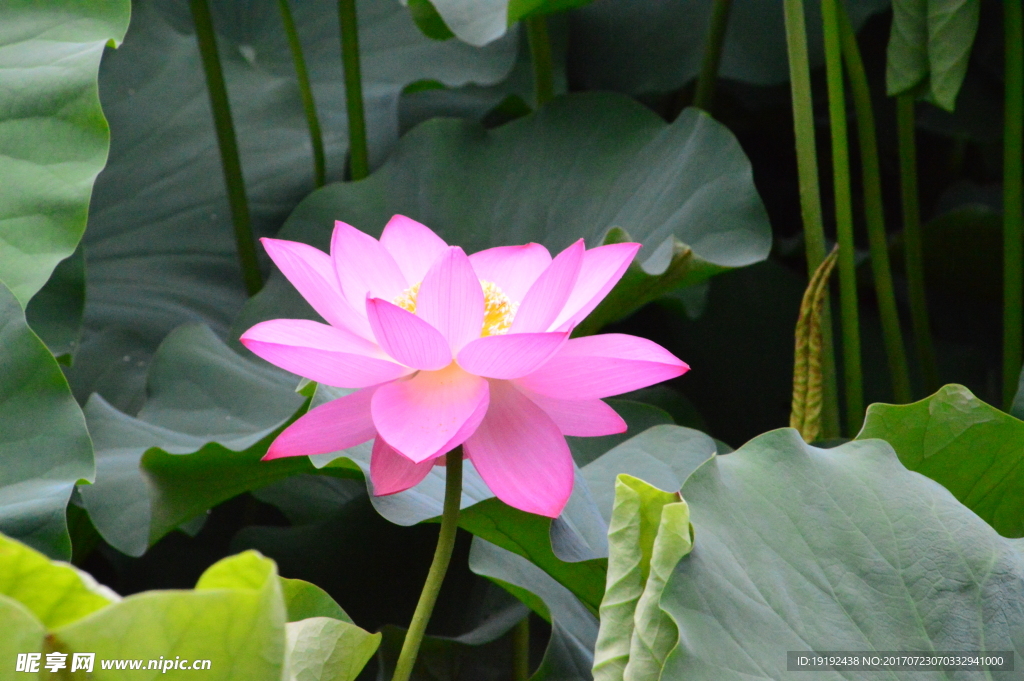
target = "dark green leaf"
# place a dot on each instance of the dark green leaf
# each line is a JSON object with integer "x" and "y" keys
{"x": 580, "y": 167}
{"x": 160, "y": 249}
{"x": 930, "y": 46}
{"x": 44, "y": 445}
{"x": 55, "y": 313}
{"x": 197, "y": 442}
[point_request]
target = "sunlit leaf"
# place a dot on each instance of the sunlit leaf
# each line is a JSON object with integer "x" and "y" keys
{"x": 970, "y": 448}
{"x": 53, "y": 137}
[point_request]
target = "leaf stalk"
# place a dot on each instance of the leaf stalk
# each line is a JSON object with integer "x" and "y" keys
{"x": 359, "y": 159}
{"x": 306, "y": 90}
{"x": 705, "y": 96}
{"x": 543, "y": 64}
{"x": 810, "y": 194}
{"x": 226, "y": 141}
{"x": 854, "y": 391}
{"x": 874, "y": 212}
{"x": 913, "y": 253}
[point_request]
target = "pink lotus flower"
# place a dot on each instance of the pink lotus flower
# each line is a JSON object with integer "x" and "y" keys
{"x": 447, "y": 349}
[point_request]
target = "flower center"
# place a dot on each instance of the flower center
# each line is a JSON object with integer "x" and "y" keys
{"x": 499, "y": 311}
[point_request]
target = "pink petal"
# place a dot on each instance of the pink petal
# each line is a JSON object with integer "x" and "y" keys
{"x": 451, "y": 299}
{"x": 413, "y": 246}
{"x": 331, "y": 427}
{"x": 546, "y": 298}
{"x": 601, "y": 366}
{"x": 510, "y": 356}
{"x": 363, "y": 265}
{"x": 601, "y": 270}
{"x": 406, "y": 337}
{"x": 425, "y": 413}
{"x": 521, "y": 454}
{"x": 311, "y": 273}
{"x": 390, "y": 472}
{"x": 512, "y": 268}
{"x": 325, "y": 354}
{"x": 582, "y": 418}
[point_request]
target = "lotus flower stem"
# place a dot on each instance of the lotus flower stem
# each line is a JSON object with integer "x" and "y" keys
{"x": 874, "y": 213}
{"x": 810, "y": 195}
{"x": 229, "y": 159}
{"x": 521, "y": 650}
{"x": 540, "y": 53}
{"x": 308, "y": 103}
{"x": 844, "y": 218}
{"x": 1013, "y": 202}
{"x": 359, "y": 162}
{"x": 912, "y": 244}
{"x": 438, "y": 567}
{"x": 705, "y": 96}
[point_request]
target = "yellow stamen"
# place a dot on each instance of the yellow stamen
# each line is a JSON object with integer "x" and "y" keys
{"x": 499, "y": 311}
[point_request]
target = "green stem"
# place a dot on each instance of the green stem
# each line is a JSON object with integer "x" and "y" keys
{"x": 844, "y": 217}
{"x": 540, "y": 54}
{"x": 308, "y": 103}
{"x": 229, "y": 159}
{"x": 438, "y": 568}
{"x": 1013, "y": 210}
{"x": 810, "y": 195}
{"x": 874, "y": 212}
{"x": 521, "y": 650}
{"x": 913, "y": 245}
{"x": 705, "y": 95}
{"x": 359, "y": 160}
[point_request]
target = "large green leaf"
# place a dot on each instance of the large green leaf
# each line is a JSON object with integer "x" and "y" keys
{"x": 160, "y": 247}
{"x": 970, "y": 448}
{"x": 53, "y": 137}
{"x": 799, "y": 548}
{"x": 197, "y": 441}
{"x": 658, "y": 45}
{"x": 570, "y": 651}
{"x": 581, "y": 166}
{"x": 44, "y": 445}
{"x": 929, "y": 48}
{"x": 236, "y": 624}
{"x": 234, "y": 621}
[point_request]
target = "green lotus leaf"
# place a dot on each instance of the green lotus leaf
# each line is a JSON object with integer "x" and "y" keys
{"x": 970, "y": 448}
{"x": 798, "y": 548}
{"x": 326, "y": 649}
{"x": 929, "y": 48}
{"x": 570, "y": 650}
{"x": 235, "y": 619}
{"x": 53, "y": 137}
{"x": 596, "y": 166}
{"x": 160, "y": 248}
{"x": 55, "y": 593}
{"x": 44, "y": 445}
{"x": 197, "y": 441}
